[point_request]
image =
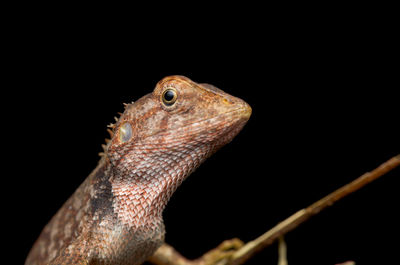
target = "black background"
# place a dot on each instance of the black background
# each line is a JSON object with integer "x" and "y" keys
{"x": 323, "y": 91}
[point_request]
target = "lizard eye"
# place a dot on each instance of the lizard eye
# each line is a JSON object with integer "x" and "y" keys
{"x": 169, "y": 97}
{"x": 125, "y": 132}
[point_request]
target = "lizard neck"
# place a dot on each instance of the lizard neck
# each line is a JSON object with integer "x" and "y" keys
{"x": 142, "y": 191}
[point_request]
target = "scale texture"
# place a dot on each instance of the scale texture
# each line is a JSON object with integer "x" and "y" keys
{"x": 115, "y": 216}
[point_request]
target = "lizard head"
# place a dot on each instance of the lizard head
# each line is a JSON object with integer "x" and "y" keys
{"x": 179, "y": 117}
{"x": 162, "y": 137}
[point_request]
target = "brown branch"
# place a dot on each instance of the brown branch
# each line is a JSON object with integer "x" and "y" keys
{"x": 282, "y": 252}
{"x": 225, "y": 253}
{"x": 167, "y": 255}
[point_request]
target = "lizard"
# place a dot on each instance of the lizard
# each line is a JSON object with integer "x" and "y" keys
{"x": 115, "y": 215}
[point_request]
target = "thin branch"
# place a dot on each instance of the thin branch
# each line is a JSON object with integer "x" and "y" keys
{"x": 244, "y": 252}
{"x": 282, "y": 252}
{"x": 301, "y": 216}
{"x": 167, "y": 255}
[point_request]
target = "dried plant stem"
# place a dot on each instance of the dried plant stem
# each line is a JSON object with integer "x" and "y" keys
{"x": 221, "y": 256}
{"x": 282, "y": 252}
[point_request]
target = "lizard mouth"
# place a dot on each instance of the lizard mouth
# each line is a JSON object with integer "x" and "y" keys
{"x": 225, "y": 122}
{"x": 238, "y": 115}
{"x": 235, "y": 115}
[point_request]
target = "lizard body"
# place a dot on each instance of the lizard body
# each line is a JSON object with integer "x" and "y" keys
{"x": 115, "y": 216}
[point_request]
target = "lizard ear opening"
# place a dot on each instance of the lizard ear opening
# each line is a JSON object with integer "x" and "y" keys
{"x": 125, "y": 132}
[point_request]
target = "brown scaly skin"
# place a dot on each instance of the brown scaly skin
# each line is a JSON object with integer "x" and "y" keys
{"x": 115, "y": 216}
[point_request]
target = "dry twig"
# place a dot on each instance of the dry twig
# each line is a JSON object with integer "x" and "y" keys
{"x": 234, "y": 252}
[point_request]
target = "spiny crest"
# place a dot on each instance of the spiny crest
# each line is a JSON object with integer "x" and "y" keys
{"x": 110, "y": 130}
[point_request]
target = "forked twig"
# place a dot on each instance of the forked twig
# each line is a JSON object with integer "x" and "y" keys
{"x": 234, "y": 252}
